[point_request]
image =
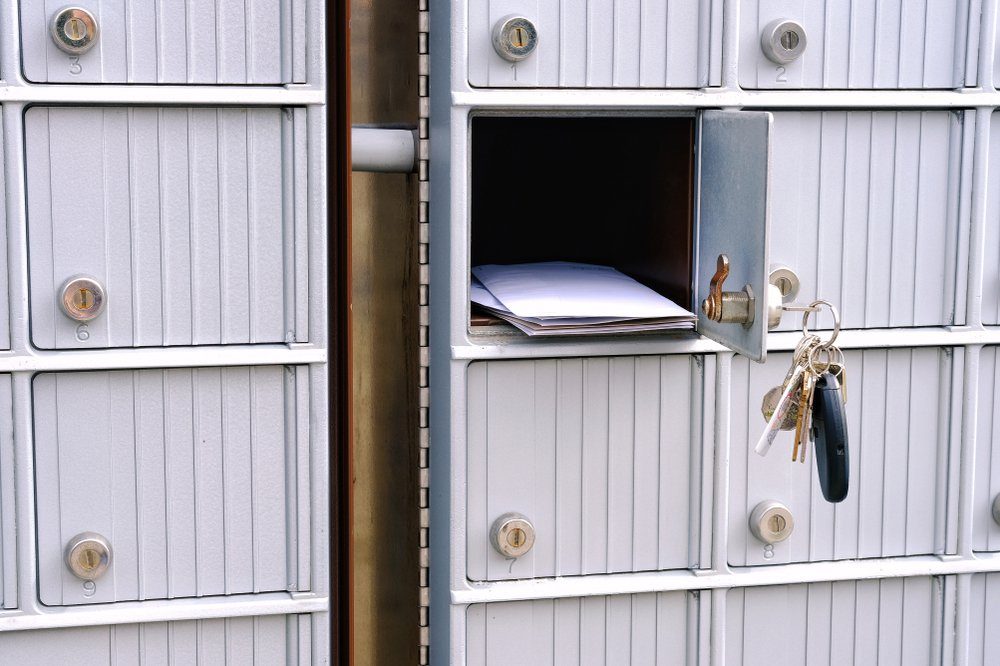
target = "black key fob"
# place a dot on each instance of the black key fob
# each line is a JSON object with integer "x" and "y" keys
{"x": 829, "y": 429}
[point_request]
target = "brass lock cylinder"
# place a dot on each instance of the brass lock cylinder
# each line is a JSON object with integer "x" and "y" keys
{"x": 512, "y": 535}
{"x": 771, "y": 522}
{"x": 88, "y": 555}
{"x": 74, "y": 30}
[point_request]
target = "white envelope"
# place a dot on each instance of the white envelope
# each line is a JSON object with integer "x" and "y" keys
{"x": 565, "y": 289}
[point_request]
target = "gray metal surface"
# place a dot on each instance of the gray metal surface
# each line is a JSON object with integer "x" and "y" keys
{"x": 604, "y": 456}
{"x": 189, "y": 217}
{"x": 895, "y": 621}
{"x": 166, "y": 41}
{"x": 866, "y": 208}
{"x": 899, "y": 414}
{"x": 247, "y": 641}
{"x": 991, "y": 263}
{"x": 191, "y": 475}
{"x": 912, "y": 44}
{"x": 606, "y": 44}
{"x": 659, "y": 629}
{"x": 733, "y": 218}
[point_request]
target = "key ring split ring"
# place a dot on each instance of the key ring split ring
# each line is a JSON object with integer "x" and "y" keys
{"x": 836, "y": 321}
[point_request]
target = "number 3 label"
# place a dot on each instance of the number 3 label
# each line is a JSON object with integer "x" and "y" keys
{"x": 74, "y": 65}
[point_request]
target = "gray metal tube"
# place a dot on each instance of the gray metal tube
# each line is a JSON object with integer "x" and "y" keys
{"x": 383, "y": 150}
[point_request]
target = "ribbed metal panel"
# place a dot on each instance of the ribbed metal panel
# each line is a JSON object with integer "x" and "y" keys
{"x": 4, "y": 291}
{"x": 603, "y": 455}
{"x": 656, "y": 629}
{"x": 898, "y": 417}
{"x": 8, "y": 523}
{"x": 985, "y": 531}
{"x": 912, "y": 44}
{"x": 171, "y": 41}
{"x": 991, "y": 263}
{"x": 865, "y": 209}
{"x": 891, "y": 621}
{"x": 189, "y": 217}
{"x": 193, "y": 475}
{"x": 602, "y": 44}
{"x": 247, "y": 641}
{"x": 984, "y": 618}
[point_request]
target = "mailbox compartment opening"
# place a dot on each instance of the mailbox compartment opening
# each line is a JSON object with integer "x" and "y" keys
{"x": 609, "y": 190}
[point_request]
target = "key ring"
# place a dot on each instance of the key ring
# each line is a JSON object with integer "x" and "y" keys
{"x": 813, "y": 359}
{"x": 836, "y": 321}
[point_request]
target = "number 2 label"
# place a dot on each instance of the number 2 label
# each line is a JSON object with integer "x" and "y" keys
{"x": 780, "y": 75}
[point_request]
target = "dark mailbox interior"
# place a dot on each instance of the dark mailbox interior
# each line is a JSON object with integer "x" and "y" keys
{"x": 615, "y": 191}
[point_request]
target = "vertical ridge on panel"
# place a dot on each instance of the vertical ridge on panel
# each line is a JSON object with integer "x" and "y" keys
{"x": 890, "y": 621}
{"x": 234, "y": 234}
{"x": 991, "y": 258}
{"x": 898, "y": 406}
{"x": 266, "y": 227}
{"x": 8, "y": 524}
{"x": 237, "y": 478}
{"x": 180, "y": 491}
{"x": 267, "y": 413}
{"x": 209, "y": 481}
{"x": 899, "y": 45}
{"x": 141, "y": 43}
{"x": 984, "y": 614}
{"x": 206, "y": 222}
{"x": 621, "y": 462}
{"x": 300, "y": 222}
{"x": 150, "y": 483}
{"x": 4, "y": 293}
{"x": 985, "y": 531}
{"x": 864, "y": 212}
{"x": 594, "y": 528}
{"x": 175, "y": 225}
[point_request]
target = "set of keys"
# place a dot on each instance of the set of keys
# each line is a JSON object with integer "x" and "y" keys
{"x": 811, "y": 402}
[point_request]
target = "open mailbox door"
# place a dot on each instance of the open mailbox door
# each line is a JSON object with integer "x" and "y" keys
{"x": 734, "y": 159}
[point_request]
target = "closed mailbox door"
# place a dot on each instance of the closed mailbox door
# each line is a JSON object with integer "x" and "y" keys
{"x": 187, "y": 219}
{"x": 196, "y": 479}
{"x": 169, "y": 41}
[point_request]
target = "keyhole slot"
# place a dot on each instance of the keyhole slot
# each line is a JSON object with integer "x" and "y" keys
{"x": 89, "y": 559}
{"x": 516, "y": 538}
{"x": 776, "y": 524}
{"x": 75, "y": 29}
{"x": 789, "y": 40}
{"x": 520, "y": 38}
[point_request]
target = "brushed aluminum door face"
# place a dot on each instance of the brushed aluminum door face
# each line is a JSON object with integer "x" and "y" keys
{"x": 984, "y": 617}
{"x": 247, "y": 641}
{"x": 8, "y": 564}
{"x": 603, "y": 455}
{"x": 865, "y": 208}
{"x": 602, "y": 44}
{"x": 991, "y": 257}
{"x": 891, "y": 621}
{"x": 985, "y": 530}
{"x": 911, "y": 44}
{"x": 172, "y": 41}
{"x": 4, "y": 291}
{"x": 660, "y": 629}
{"x": 188, "y": 217}
{"x": 899, "y": 423}
{"x": 734, "y": 180}
{"x": 197, "y": 477}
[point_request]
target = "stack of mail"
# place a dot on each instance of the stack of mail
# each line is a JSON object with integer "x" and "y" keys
{"x": 563, "y": 298}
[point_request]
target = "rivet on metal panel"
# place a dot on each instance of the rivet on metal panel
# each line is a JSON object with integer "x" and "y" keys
{"x": 88, "y": 555}
{"x": 512, "y": 535}
{"x": 771, "y": 522}
{"x": 74, "y": 30}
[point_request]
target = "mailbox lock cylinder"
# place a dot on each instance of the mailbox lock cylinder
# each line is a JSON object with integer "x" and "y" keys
{"x": 74, "y": 30}
{"x": 783, "y": 41}
{"x": 88, "y": 555}
{"x": 82, "y": 298}
{"x": 996, "y": 509}
{"x": 771, "y": 522}
{"x": 514, "y": 38}
{"x": 512, "y": 535}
